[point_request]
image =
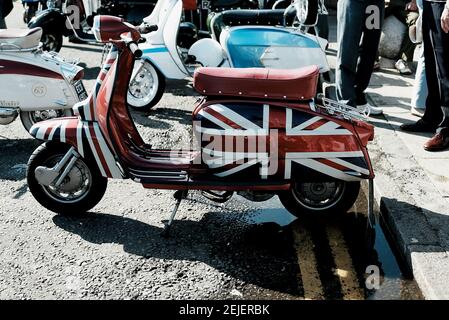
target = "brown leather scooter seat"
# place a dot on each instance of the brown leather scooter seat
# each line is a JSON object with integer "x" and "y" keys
{"x": 294, "y": 84}
{"x": 11, "y": 39}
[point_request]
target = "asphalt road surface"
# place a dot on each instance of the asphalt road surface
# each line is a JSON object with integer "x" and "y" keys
{"x": 235, "y": 250}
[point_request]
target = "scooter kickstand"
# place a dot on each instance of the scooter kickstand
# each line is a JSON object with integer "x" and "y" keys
{"x": 179, "y": 195}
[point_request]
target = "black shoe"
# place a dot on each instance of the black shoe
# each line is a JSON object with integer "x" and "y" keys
{"x": 418, "y": 126}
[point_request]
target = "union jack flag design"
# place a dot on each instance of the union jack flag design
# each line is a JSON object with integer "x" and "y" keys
{"x": 271, "y": 140}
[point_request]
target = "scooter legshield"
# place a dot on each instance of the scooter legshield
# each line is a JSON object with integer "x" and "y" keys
{"x": 85, "y": 136}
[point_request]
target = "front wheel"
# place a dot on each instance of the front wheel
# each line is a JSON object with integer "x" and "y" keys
{"x": 146, "y": 88}
{"x": 320, "y": 198}
{"x": 79, "y": 192}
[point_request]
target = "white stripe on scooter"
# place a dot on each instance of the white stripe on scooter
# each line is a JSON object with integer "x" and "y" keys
{"x": 41, "y": 132}
{"x": 94, "y": 151}
{"x": 52, "y": 132}
{"x": 63, "y": 128}
{"x": 235, "y": 117}
{"x": 350, "y": 165}
{"x": 320, "y": 167}
{"x": 214, "y": 120}
{"x": 115, "y": 172}
{"x": 307, "y": 155}
{"x": 79, "y": 138}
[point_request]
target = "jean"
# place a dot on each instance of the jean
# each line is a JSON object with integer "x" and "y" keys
{"x": 357, "y": 48}
{"x": 420, "y": 90}
{"x": 436, "y": 51}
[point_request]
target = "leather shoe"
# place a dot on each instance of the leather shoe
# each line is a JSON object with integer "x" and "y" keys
{"x": 418, "y": 126}
{"x": 437, "y": 142}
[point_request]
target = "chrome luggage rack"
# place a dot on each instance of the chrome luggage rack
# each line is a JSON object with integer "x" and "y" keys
{"x": 335, "y": 108}
{"x": 11, "y": 47}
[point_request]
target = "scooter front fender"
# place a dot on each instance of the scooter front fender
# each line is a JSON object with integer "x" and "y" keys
{"x": 50, "y": 19}
{"x": 85, "y": 136}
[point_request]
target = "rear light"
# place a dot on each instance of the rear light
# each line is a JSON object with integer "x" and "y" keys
{"x": 79, "y": 75}
{"x": 365, "y": 131}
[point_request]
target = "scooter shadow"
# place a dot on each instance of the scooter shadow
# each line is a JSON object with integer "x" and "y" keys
{"x": 15, "y": 154}
{"x": 261, "y": 255}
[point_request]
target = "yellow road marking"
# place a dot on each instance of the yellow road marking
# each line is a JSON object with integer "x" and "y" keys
{"x": 345, "y": 271}
{"x": 313, "y": 289}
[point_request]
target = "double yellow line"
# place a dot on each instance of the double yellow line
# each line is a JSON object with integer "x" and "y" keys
{"x": 344, "y": 269}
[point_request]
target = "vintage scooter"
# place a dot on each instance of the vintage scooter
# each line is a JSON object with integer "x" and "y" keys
{"x": 34, "y": 84}
{"x": 73, "y": 18}
{"x": 260, "y": 133}
{"x": 239, "y": 47}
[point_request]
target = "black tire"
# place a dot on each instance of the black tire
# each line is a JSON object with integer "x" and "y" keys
{"x": 43, "y": 156}
{"x": 309, "y": 16}
{"x": 51, "y": 40}
{"x": 294, "y": 200}
{"x": 159, "y": 77}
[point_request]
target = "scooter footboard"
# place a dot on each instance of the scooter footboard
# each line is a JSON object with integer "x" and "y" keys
{"x": 85, "y": 136}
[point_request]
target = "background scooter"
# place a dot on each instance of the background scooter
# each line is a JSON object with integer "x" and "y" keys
{"x": 36, "y": 85}
{"x": 244, "y": 47}
{"x": 60, "y": 21}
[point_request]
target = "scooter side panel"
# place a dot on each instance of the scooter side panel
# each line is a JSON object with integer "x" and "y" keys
{"x": 277, "y": 141}
{"x": 85, "y": 136}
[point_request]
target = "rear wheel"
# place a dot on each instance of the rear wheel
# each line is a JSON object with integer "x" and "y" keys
{"x": 29, "y": 118}
{"x": 79, "y": 192}
{"x": 51, "y": 41}
{"x": 146, "y": 88}
{"x": 320, "y": 198}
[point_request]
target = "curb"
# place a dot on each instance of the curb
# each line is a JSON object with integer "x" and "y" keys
{"x": 409, "y": 204}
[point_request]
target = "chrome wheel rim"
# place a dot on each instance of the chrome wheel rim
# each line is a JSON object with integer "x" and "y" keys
{"x": 143, "y": 88}
{"x": 318, "y": 195}
{"x": 75, "y": 187}
{"x": 42, "y": 115}
{"x": 50, "y": 42}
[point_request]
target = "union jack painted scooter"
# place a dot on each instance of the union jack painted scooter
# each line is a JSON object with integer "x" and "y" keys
{"x": 260, "y": 133}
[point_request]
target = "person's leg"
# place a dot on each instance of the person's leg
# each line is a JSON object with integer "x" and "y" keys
{"x": 432, "y": 115}
{"x": 420, "y": 90}
{"x": 440, "y": 41}
{"x": 368, "y": 52}
{"x": 420, "y": 87}
{"x": 350, "y": 24}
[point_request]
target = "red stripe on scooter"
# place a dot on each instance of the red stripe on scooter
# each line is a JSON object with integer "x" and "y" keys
{"x": 316, "y": 125}
{"x": 332, "y": 164}
{"x": 47, "y": 132}
{"x": 98, "y": 151}
{"x": 14, "y": 67}
{"x": 223, "y": 118}
{"x": 92, "y": 109}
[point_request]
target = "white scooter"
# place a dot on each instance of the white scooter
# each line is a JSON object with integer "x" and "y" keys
{"x": 34, "y": 84}
{"x": 241, "y": 47}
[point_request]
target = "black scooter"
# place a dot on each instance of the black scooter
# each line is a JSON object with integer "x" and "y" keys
{"x": 74, "y": 18}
